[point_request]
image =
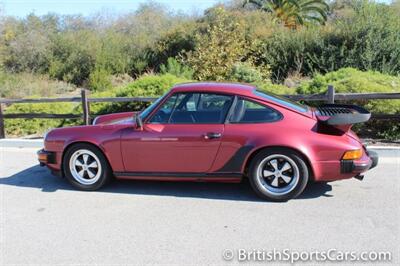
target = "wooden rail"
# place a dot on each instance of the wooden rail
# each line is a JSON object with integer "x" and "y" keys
{"x": 330, "y": 97}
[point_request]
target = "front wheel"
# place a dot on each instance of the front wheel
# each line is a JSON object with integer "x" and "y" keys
{"x": 85, "y": 167}
{"x": 278, "y": 174}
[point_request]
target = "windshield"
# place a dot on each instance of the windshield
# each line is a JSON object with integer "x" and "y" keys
{"x": 282, "y": 100}
{"x": 143, "y": 114}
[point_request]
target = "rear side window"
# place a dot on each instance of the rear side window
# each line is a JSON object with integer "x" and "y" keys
{"x": 247, "y": 111}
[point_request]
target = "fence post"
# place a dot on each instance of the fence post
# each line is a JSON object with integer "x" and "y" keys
{"x": 2, "y": 131}
{"x": 85, "y": 107}
{"x": 330, "y": 94}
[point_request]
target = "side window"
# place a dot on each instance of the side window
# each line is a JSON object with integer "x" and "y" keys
{"x": 201, "y": 108}
{"x": 187, "y": 102}
{"x": 163, "y": 114}
{"x": 246, "y": 111}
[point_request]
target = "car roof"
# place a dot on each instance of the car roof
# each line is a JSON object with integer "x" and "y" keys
{"x": 229, "y": 88}
{"x": 222, "y": 87}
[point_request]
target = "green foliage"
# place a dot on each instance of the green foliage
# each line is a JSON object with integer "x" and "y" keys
{"x": 358, "y": 33}
{"x": 390, "y": 132}
{"x": 23, "y": 127}
{"x": 227, "y": 42}
{"x": 173, "y": 43}
{"x": 293, "y": 13}
{"x": 71, "y": 48}
{"x": 366, "y": 36}
{"x": 73, "y": 57}
{"x": 23, "y": 84}
{"x": 100, "y": 80}
{"x": 396, "y": 5}
{"x": 246, "y": 72}
{"x": 150, "y": 85}
{"x": 175, "y": 68}
{"x": 25, "y": 43}
{"x": 350, "y": 80}
{"x": 112, "y": 54}
{"x": 274, "y": 88}
{"x": 152, "y": 34}
{"x": 219, "y": 48}
{"x": 145, "y": 86}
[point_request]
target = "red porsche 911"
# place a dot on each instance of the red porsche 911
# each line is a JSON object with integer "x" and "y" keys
{"x": 218, "y": 132}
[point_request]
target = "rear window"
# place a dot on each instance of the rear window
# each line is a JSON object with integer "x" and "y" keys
{"x": 282, "y": 100}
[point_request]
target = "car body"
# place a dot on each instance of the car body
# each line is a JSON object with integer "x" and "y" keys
{"x": 213, "y": 132}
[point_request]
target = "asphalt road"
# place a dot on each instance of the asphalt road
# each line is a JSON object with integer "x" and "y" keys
{"x": 45, "y": 221}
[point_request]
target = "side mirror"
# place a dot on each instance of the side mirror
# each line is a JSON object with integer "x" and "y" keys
{"x": 139, "y": 122}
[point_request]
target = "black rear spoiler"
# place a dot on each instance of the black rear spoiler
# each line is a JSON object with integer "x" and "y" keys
{"x": 341, "y": 116}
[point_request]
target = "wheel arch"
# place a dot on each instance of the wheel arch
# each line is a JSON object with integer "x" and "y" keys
{"x": 73, "y": 143}
{"x": 259, "y": 149}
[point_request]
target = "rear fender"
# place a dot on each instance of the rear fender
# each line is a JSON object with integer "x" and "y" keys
{"x": 303, "y": 153}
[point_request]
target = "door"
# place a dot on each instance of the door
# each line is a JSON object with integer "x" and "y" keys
{"x": 182, "y": 136}
{"x": 250, "y": 123}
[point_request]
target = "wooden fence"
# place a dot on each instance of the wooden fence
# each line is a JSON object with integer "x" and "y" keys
{"x": 330, "y": 97}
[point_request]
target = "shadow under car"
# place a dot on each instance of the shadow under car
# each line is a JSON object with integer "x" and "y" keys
{"x": 41, "y": 178}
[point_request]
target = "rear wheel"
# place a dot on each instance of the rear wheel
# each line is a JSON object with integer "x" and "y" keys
{"x": 278, "y": 174}
{"x": 85, "y": 167}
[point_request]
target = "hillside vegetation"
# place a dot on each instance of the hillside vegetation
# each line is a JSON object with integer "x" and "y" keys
{"x": 351, "y": 44}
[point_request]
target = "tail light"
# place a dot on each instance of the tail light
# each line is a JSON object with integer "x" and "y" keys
{"x": 352, "y": 155}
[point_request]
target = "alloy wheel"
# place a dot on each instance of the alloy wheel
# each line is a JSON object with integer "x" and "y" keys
{"x": 277, "y": 174}
{"x": 85, "y": 167}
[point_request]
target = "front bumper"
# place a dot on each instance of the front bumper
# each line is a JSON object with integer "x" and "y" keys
{"x": 46, "y": 157}
{"x": 351, "y": 166}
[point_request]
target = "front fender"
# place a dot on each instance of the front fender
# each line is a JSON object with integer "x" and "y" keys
{"x": 106, "y": 138}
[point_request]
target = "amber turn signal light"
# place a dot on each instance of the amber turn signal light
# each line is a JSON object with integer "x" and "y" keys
{"x": 42, "y": 157}
{"x": 352, "y": 155}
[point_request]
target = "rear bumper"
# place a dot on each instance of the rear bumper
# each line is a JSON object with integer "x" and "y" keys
{"x": 374, "y": 158}
{"x": 46, "y": 157}
{"x": 350, "y": 166}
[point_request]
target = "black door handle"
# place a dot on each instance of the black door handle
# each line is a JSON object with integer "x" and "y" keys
{"x": 212, "y": 135}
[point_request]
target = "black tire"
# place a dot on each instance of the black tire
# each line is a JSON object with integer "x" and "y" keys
{"x": 103, "y": 173}
{"x": 267, "y": 189}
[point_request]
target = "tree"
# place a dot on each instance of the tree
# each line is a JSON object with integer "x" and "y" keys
{"x": 175, "y": 68}
{"x": 25, "y": 43}
{"x": 396, "y": 5}
{"x": 294, "y": 13}
{"x": 222, "y": 43}
{"x": 218, "y": 47}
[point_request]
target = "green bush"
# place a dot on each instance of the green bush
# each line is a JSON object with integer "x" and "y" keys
{"x": 74, "y": 55}
{"x": 349, "y": 80}
{"x": 344, "y": 80}
{"x": 245, "y": 72}
{"x": 23, "y": 127}
{"x": 175, "y": 68}
{"x": 365, "y": 35}
{"x": 145, "y": 86}
{"x": 100, "y": 80}
{"x": 22, "y": 84}
{"x": 274, "y": 88}
{"x": 389, "y": 131}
